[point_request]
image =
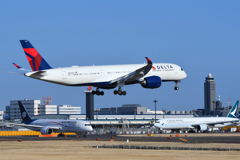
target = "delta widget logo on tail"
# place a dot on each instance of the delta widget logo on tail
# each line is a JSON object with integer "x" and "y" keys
{"x": 34, "y": 58}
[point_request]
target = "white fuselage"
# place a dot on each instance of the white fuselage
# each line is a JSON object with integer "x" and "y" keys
{"x": 186, "y": 123}
{"x": 102, "y": 75}
{"x": 65, "y": 125}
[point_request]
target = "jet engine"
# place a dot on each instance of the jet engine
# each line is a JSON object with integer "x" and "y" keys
{"x": 202, "y": 127}
{"x": 151, "y": 82}
{"x": 46, "y": 130}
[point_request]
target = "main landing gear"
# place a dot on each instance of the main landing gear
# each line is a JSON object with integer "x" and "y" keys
{"x": 176, "y": 86}
{"x": 98, "y": 92}
{"x": 101, "y": 93}
{"x": 61, "y": 135}
{"x": 119, "y": 92}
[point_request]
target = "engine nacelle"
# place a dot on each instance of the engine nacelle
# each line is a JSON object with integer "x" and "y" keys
{"x": 46, "y": 130}
{"x": 202, "y": 127}
{"x": 151, "y": 82}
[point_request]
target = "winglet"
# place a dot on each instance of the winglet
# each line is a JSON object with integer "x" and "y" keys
{"x": 148, "y": 60}
{"x": 17, "y": 66}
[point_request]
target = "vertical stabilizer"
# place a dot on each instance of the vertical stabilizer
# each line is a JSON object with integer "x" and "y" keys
{"x": 34, "y": 58}
{"x": 233, "y": 111}
{"x": 238, "y": 115}
{"x": 24, "y": 114}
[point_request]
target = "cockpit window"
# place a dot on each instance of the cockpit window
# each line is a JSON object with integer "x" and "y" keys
{"x": 181, "y": 69}
{"x": 87, "y": 125}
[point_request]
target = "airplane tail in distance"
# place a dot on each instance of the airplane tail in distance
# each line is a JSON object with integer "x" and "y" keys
{"x": 34, "y": 58}
{"x": 24, "y": 114}
{"x": 238, "y": 115}
{"x": 220, "y": 115}
{"x": 233, "y": 111}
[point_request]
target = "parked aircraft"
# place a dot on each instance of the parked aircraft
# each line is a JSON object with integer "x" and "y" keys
{"x": 48, "y": 126}
{"x": 199, "y": 123}
{"x": 103, "y": 77}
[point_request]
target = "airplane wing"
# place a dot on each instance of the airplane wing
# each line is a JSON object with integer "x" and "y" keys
{"x": 214, "y": 123}
{"x": 135, "y": 75}
{"x": 28, "y": 125}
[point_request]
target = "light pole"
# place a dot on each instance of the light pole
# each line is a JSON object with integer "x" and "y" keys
{"x": 135, "y": 113}
{"x": 155, "y": 101}
{"x": 97, "y": 110}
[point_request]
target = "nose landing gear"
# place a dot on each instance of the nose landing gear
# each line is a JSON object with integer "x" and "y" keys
{"x": 176, "y": 86}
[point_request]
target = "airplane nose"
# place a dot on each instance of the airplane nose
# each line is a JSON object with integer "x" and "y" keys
{"x": 185, "y": 75}
{"x": 91, "y": 129}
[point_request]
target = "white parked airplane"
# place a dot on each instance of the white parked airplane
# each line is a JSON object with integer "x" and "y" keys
{"x": 105, "y": 77}
{"x": 199, "y": 123}
{"x": 48, "y": 126}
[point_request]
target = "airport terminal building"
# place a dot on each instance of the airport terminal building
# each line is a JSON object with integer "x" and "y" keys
{"x": 35, "y": 108}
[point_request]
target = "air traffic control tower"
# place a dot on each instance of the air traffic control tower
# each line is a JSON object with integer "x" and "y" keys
{"x": 89, "y": 104}
{"x": 209, "y": 95}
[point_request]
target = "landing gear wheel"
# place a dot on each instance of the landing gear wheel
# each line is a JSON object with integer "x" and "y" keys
{"x": 176, "y": 86}
{"x": 98, "y": 93}
{"x": 120, "y": 92}
{"x": 61, "y": 135}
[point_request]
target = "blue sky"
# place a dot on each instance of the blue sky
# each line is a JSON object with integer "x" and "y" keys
{"x": 200, "y": 36}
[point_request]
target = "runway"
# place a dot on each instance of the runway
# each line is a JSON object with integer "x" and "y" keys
{"x": 185, "y": 138}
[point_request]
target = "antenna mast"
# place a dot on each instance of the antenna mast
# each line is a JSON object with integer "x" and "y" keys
{"x": 47, "y": 101}
{"x": 228, "y": 102}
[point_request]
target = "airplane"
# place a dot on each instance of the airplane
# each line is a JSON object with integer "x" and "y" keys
{"x": 238, "y": 115}
{"x": 220, "y": 115}
{"x": 199, "y": 123}
{"x": 48, "y": 126}
{"x": 103, "y": 77}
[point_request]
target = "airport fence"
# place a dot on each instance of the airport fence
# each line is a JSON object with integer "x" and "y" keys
{"x": 163, "y": 147}
{"x": 27, "y": 133}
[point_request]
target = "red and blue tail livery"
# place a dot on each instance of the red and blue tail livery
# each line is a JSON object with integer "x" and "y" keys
{"x": 34, "y": 58}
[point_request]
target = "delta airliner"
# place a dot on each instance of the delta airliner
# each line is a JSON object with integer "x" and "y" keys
{"x": 150, "y": 75}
